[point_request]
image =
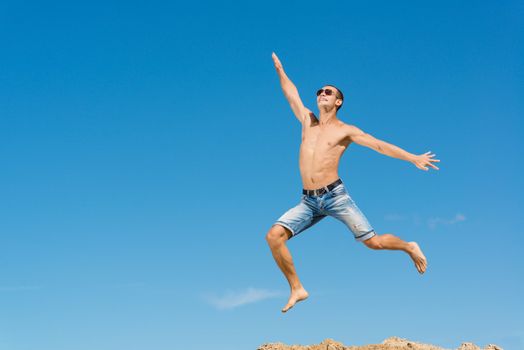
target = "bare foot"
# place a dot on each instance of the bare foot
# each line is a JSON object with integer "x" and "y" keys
{"x": 295, "y": 297}
{"x": 418, "y": 257}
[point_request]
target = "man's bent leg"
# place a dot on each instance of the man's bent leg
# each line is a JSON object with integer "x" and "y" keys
{"x": 342, "y": 207}
{"x": 276, "y": 238}
{"x": 388, "y": 241}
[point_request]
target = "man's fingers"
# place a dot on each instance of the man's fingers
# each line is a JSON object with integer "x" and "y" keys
{"x": 276, "y": 61}
{"x": 428, "y": 163}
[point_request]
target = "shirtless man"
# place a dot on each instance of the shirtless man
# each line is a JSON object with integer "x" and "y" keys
{"x": 324, "y": 140}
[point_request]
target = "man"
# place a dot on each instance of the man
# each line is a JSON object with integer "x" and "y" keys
{"x": 324, "y": 140}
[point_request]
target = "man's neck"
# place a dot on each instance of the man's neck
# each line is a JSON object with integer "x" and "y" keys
{"x": 327, "y": 117}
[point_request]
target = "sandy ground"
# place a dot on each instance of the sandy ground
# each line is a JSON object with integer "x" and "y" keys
{"x": 393, "y": 343}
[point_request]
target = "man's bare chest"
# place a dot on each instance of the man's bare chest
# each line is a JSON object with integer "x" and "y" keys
{"x": 319, "y": 140}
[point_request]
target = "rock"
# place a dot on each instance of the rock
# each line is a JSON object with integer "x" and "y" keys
{"x": 400, "y": 343}
{"x": 493, "y": 347}
{"x": 330, "y": 344}
{"x": 273, "y": 346}
{"x": 468, "y": 346}
{"x": 392, "y": 343}
{"x": 395, "y": 341}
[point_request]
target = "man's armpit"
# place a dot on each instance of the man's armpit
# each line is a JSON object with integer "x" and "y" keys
{"x": 310, "y": 118}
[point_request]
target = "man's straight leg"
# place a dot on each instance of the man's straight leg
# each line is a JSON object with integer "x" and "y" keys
{"x": 276, "y": 238}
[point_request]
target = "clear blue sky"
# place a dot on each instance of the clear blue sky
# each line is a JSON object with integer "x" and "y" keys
{"x": 147, "y": 148}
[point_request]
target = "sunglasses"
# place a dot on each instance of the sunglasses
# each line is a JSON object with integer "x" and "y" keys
{"x": 328, "y": 92}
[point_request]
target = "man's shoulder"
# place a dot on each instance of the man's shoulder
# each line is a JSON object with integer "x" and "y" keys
{"x": 349, "y": 128}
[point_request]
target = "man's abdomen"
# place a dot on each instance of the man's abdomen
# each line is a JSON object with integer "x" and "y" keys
{"x": 316, "y": 174}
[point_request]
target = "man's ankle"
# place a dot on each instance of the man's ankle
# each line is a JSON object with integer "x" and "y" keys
{"x": 297, "y": 287}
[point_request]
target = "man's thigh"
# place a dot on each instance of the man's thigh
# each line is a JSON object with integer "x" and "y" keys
{"x": 299, "y": 218}
{"x": 345, "y": 209}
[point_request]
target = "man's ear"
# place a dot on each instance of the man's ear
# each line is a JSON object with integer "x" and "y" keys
{"x": 338, "y": 102}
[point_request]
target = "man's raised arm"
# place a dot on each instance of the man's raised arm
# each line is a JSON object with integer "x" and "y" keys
{"x": 422, "y": 161}
{"x": 290, "y": 91}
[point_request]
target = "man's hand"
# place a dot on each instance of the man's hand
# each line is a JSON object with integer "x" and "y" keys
{"x": 290, "y": 91}
{"x": 278, "y": 65}
{"x": 424, "y": 161}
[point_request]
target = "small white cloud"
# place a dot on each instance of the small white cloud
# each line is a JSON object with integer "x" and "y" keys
{"x": 458, "y": 218}
{"x": 434, "y": 222}
{"x": 232, "y": 299}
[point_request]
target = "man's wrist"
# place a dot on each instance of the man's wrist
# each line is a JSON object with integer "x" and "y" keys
{"x": 411, "y": 157}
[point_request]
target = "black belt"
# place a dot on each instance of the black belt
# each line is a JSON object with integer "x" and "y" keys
{"x": 321, "y": 191}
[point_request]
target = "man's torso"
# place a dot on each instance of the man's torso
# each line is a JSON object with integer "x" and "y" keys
{"x": 320, "y": 152}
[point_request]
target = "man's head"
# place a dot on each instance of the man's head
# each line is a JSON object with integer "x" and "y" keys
{"x": 330, "y": 96}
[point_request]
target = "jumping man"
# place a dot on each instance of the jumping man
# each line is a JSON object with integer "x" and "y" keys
{"x": 324, "y": 140}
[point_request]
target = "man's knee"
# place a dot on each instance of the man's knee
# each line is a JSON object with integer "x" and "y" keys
{"x": 373, "y": 242}
{"x": 277, "y": 235}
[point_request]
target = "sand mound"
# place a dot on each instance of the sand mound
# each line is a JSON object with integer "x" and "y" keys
{"x": 393, "y": 343}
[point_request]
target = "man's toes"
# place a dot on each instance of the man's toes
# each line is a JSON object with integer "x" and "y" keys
{"x": 422, "y": 268}
{"x": 287, "y": 307}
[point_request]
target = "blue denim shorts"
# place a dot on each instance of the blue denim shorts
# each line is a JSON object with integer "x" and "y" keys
{"x": 336, "y": 203}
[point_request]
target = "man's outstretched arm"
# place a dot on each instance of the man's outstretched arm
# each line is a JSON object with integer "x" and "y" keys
{"x": 290, "y": 91}
{"x": 422, "y": 161}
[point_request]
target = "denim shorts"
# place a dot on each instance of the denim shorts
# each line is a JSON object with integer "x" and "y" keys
{"x": 336, "y": 203}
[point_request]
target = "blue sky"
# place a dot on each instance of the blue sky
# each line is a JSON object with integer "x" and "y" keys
{"x": 147, "y": 148}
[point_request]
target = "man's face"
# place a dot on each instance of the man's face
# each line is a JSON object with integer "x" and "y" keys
{"x": 327, "y": 97}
